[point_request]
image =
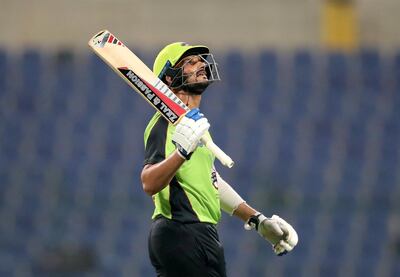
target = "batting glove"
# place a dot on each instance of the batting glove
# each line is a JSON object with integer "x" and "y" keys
{"x": 277, "y": 231}
{"x": 189, "y": 131}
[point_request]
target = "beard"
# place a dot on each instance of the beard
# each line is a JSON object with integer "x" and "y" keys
{"x": 196, "y": 88}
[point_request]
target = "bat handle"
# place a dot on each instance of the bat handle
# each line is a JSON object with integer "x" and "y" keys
{"x": 219, "y": 154}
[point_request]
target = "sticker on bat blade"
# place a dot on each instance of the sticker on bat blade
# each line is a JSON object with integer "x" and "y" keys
{"x": 113, "y": 40}
{"x": 161, "y": 102}
{"x": 100, "y": 39}
{"x": 105, "y": 37}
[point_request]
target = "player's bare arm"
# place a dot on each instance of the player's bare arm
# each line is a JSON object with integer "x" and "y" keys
{"x": 244, "y": 212}
{"x": 155, "y": 177}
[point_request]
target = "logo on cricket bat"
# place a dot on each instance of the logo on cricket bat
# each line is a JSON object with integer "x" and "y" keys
{"x": 150, "y": 93}
{"x": 105, "y": 37}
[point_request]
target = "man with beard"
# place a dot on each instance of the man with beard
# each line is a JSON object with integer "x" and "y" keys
{"x": 180, "y": 176}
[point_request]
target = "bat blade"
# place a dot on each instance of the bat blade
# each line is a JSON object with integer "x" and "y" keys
{"x": 130, "y": 68}
{"x": 138, "y": 76}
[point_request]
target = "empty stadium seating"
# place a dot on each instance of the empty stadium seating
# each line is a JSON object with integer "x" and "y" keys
{"x": 315, "y": 137}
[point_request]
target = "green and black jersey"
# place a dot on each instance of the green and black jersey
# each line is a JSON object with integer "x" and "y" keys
{"x": 191, "y": 195}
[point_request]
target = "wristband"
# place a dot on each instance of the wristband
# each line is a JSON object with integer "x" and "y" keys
{"x": 182, "y": 152}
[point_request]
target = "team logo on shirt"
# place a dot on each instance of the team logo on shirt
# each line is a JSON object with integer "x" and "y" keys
{"x": 214, "y": 179}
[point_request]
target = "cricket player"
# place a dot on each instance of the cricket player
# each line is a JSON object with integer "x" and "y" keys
{"x": 180, "y": 176}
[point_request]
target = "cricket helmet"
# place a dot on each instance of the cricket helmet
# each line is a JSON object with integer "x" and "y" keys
{"x": 166, "y": 61}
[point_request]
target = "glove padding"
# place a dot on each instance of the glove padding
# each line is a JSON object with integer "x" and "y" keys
{"x": 189, "y": 131}
{"x": 277, "y": 231}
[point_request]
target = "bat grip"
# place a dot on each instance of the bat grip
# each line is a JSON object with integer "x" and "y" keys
{"x": 219, "y": 154}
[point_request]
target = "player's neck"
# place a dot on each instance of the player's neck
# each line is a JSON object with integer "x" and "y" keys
{"x": 190, "y": 100}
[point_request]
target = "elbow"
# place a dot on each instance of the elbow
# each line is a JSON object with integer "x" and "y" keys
{"x": 148, "y": 189}
{"x": 148, "y": 186}
{"x": 146, "y": 183}
{"x": 150, "y": 183}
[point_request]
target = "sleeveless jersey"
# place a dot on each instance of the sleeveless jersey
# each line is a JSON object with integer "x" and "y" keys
{"x": 192, "y": 195}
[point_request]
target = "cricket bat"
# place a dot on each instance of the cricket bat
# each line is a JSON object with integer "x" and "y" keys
{"x": 138, "y": 76}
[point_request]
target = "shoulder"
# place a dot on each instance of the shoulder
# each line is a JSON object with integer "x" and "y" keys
{"x": 156, "y": 125}
{"x": 155, "y": 140}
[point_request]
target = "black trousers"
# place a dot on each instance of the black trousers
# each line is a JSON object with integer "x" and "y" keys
{"x": 185, "y": 250}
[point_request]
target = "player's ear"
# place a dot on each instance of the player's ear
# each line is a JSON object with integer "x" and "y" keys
{"x": 168, "y": 80}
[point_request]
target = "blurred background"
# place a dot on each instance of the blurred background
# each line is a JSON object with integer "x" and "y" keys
{"x": 308, "y": 107}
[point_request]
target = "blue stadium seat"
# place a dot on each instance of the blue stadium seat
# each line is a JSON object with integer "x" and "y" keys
{"x": 341, "y": 219}
{"x": 98, "y": 83}
{"x": 370, "y": 65}
{"x": 292, "y": 268}
{"x": 351, "y": 179}
{"x": 8, "y": 263}
{"x": 321, "y": 143}
{"x": 31, "y": 78}
{"x": 371, "y": 83}
{"x": 268, "y": 67}
{"x": 328, "y": 268}
{"x": 129, "y": 224}
{"x": 103, "y": 183}
{"x": 395, "y": 69}
{"x": 70, "y": 178}
{"x": 367, "y": 104}
{"x": 114, "y": 140}
{"x": 45, "y": 140}
{"x": 253, "y": 141}
{"x": 59, "y": 103}
{"x": 313, "y": 182}
{"x": 25, "y": 226}
{"x": 111, "y": 272}
{"x": 4, "y": 182}
{"x": 287, "y": 143}
{"x": 122, "y": 247}
{"x": 303, "y": 73}
{"x": 94, "y": 222}
{"x": 99, "y": 72}
{"x": 268, "y": 89}
{"x": 387, "y": 179}
{"x": 365, "y": 266}
{"x": 65, "y": 74}
{"x": 303, "y": 70}
{"x": 357, "y": 139}
{"x": 390, "y": 138}
{"x": 32, "y": 193}
{"x": 11, "y": 138}
{"x": 299, "y": 101}
{"x": 305, "y": 226}
{"x": 4, "y": 65}
{"x": 31, "y": 70}
{"x": 396, "y": 269}
{"x": 80, "y": 139}
{"x": 337, "y": 71}
{"x": 337, "y": 83}
{"x": 232, "y": 70}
